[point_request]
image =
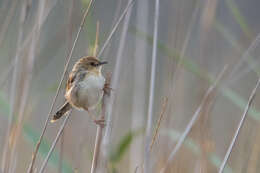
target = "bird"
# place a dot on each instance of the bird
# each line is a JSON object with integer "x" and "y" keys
{"x": 84, "y": 87}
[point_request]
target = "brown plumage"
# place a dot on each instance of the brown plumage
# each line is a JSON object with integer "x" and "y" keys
{"x": 64, "y": 109}
{"x": 84, "y": 87}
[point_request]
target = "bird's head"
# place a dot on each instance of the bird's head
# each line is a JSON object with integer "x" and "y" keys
{"x": 91, "y": 63}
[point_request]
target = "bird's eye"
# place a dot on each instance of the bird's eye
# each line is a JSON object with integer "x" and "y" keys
{"x": 93, "y": 64}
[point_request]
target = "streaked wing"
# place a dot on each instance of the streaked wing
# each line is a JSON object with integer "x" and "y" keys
{"x": 71, "y": 79}
{"x": 75, "y": 77}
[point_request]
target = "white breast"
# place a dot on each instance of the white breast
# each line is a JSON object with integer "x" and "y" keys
{"x": 91, "y": 90}
{"x": 93, "y": 81}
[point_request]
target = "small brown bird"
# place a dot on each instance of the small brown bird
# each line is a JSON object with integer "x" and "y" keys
{"x": 84, "y": 88}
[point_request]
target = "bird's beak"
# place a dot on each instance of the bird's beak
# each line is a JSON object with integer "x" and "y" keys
{"x": 102, "y": 63}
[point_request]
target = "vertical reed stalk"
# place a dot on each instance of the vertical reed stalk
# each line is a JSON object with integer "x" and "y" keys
{"x": 147, "y": 165}
{"x": 139, "y": 86}
{"x": 98, "y": 140}
{"x": 97, "y": 148}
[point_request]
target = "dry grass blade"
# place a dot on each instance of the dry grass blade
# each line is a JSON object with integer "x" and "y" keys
{"x": 30, "y": 170}
{"x": 96, "y": 41}
{"x": 131, "y": 2}
{"x": 193, "y": 120}
{"x": 54, "y": 143}
{"x": 165, "y": 102}
{"x": 250, "y": 100}
{"x": 151, "y": 91}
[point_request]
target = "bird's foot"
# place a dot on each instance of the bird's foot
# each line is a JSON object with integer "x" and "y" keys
{"x": 100, "y": 122}
{"x": 107, "y": 89}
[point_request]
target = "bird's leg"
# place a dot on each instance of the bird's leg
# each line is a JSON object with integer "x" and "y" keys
{"x": 100, "y": 122}
{"x": 107, "y": 89}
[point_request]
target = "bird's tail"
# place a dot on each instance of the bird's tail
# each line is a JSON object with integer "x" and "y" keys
{"x": 63, "y": 110}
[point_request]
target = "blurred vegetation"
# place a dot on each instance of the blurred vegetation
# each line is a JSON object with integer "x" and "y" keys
{"x": 225, "y": 40}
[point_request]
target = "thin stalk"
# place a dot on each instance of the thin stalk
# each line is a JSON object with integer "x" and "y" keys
{"x": 155, "y": 135}
{"x": 192, "y": 121}
{"x": 54, "y": 143}
{"x": 30, "y": 169}
{"x": 249, "y": 103}
{"x": 98, "y": 140}
{"x": 96, "y": 40}
{"x": 115, "y": 78}
{"x": 130, "y": 4}
{"x": 139, "y": 86}
{"x": 165, "y": 102}
{"x": 147, "y": 165}
{"x": 96, "y": 149}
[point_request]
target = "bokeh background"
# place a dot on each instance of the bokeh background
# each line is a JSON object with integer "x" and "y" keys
{"x": 196, "y": 40}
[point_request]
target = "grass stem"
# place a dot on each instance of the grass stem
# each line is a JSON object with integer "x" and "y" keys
{"x": 151, "y": 91}
{"x": 249, "y": 103}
